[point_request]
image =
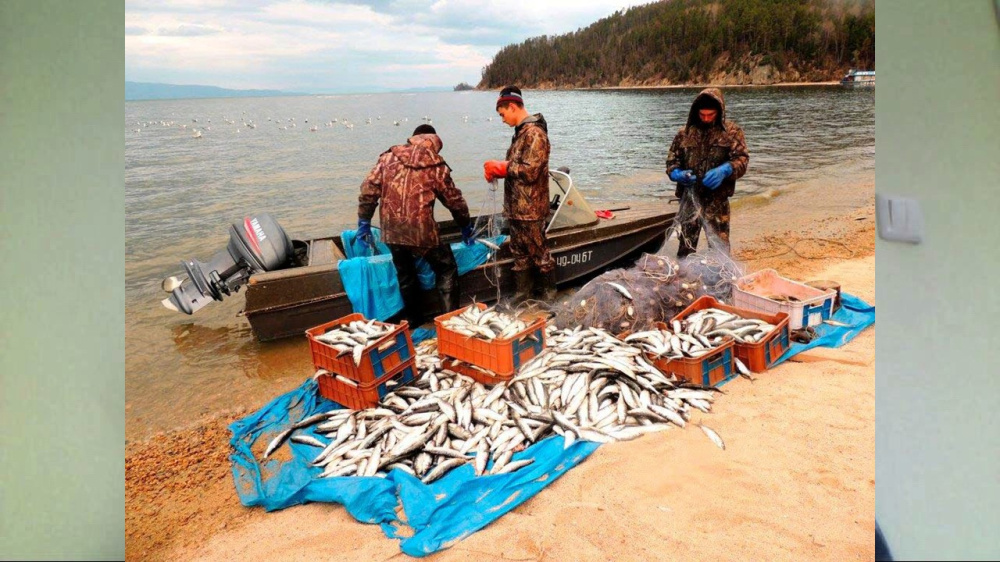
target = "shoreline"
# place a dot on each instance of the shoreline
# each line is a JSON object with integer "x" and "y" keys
{"x": 677, "y": 86}
{"x": 802, "y": 435}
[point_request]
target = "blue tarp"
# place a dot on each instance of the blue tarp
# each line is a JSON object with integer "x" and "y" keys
{"x": 435, "y": 516}
{"x": 370, "y": 280}
{"x": 854, "y": 312}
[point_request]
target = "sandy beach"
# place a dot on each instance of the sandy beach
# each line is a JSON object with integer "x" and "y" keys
{"x": 796, "y": 481}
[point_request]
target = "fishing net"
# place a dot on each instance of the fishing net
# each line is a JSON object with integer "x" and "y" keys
{"x": 656, "y": 288}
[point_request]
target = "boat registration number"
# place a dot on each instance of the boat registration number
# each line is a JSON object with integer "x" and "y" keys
{"x": 573, "y": 259}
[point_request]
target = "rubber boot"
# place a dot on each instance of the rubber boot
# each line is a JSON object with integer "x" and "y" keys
{"x": 412, "y": 310}
{"x": 525, "y": 281}
{"x": 548, "y": 286}
{"x": 449, "y": 300}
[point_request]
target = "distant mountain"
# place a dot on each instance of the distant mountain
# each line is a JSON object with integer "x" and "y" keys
{"x": 152, "y": 91}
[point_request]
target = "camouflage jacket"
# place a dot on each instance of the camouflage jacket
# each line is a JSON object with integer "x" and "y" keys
{"x": 526, "y": 187}
{"x": 700, "y": 149}
{"x": 407, "y": 179}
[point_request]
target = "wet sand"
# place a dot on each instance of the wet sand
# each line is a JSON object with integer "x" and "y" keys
{"x": 796, "y": 480}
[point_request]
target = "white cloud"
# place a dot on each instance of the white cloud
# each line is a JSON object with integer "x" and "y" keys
{"x": 292, "y": 44}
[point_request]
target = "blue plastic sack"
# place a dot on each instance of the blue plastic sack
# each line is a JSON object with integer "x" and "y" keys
{"x": 371, "y": 282}
{"x": 372, "y": 286}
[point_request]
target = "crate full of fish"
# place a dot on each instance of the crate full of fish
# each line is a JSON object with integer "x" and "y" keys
{"x": 489, "y": 339}
{"x": 760, "y": 339}
{"x": 352, "y": 394}
{"x": 766, "y": 291}
{"x": 359, "y": 349}
{"x": 696, "y": 357}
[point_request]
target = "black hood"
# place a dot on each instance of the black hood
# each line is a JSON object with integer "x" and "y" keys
{"x": 708, "y": 96}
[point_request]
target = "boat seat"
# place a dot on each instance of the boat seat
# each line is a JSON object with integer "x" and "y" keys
{"x": 324, "y": 251}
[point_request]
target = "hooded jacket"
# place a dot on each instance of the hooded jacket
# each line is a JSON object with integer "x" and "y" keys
{"x": 408, "y": 178}
{"x": 700, "y": 148}
{"x": 526, "y": 187}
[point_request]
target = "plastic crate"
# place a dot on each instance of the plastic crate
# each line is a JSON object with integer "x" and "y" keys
{"x": 503, "y": 357}
{"x": 757, "y": 357}
{"x": 711, "y": 369}
{"x": 366, "y": 395}
{"x": 813, "y": 307}
{"x": 477, "y": 375}
{"x": 379, "y": 357}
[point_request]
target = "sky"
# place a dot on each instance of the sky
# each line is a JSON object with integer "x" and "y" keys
{"x": 337, "y": 46}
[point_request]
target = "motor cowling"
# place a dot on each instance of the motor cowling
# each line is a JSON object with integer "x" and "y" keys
{"x": 256, "y": 244}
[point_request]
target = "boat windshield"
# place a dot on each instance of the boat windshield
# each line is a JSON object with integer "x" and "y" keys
{"x": 569, "y": 207}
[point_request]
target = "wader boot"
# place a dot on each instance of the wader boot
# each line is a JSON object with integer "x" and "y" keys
{"x": 548, "y": 286}
{"x": 449, "y": 297}
{"x": 525, "y": 281}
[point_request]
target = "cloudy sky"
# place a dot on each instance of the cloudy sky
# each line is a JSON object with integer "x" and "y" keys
{"x": 336, "y": 46}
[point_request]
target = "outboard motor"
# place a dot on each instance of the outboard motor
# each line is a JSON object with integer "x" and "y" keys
{"x": 256, "y": 244}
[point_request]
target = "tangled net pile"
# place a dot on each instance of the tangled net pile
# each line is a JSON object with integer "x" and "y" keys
{"x": 656, "y": 289}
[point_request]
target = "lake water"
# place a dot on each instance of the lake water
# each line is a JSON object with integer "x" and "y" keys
{"x": 182, "y": 192}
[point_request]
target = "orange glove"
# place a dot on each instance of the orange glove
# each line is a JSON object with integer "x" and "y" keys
{"x": 495, "y": 169}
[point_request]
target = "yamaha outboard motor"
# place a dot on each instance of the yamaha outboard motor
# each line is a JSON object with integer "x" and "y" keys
{"x": 256, "y": 244}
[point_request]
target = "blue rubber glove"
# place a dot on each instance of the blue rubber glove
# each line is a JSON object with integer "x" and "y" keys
{"x": 467, "y": 235}
{"x": 364, "y": 232}
{"x": 683, "y": 177}
{"x": 714, "y": 177}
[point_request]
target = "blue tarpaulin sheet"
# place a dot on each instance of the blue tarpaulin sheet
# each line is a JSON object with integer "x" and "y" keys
{"x": 370, "y": 280}
{"x": 854, "y": 312}
{"x": 437, "y": 515}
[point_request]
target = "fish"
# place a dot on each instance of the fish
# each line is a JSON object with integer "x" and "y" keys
{"x": 620, "y": 289}
{"x": 277, "y": 441}
{"x": 588, "y": 385}
{"x": 713, "y": 436}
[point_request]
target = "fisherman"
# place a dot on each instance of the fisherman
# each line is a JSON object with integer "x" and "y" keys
{"x": 706, "y": 158}
{"x": 408, "y": 178}
{"x": 525, "y": 195}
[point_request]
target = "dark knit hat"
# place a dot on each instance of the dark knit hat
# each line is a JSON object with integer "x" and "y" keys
{"x": 510, "y": 94}
{"x": 424, "y": 129}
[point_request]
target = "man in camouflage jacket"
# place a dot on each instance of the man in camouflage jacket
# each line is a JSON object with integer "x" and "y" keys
{"x": 526, "y": 195}
{"x": 407, "y": 179}
{"x": 706, "y": 158}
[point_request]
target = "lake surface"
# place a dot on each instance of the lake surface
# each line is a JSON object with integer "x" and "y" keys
{"x": 181, "y": 194}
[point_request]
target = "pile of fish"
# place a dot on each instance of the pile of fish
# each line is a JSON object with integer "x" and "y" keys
{"x": 676, "y": 344}
{"x": 588, "y": 385}
{"x": 713, "y": 322}
{"x": 487, "y": 324}
{"x": 354, "y": 337}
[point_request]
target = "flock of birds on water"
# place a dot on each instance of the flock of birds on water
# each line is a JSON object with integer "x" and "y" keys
{"x": 197, "y": 128}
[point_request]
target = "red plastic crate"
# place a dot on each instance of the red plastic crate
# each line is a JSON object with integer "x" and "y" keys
{"x": 710, "y": 369}
{"x": 365, "y": 395}
{"x": 379, "y": 357}
{"x": 758, "y": 357}
{"x": 473, "y": 373}
{"x": 503, "y": 357}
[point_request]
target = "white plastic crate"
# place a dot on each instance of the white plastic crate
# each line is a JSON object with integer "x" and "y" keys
{"x": 812, "y": 307}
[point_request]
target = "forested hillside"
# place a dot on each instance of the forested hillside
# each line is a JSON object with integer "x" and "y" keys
{"x": 696, "y": 42}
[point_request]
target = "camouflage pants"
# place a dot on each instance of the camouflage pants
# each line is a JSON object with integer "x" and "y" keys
{"x": 442, "y": 262}
{"x": 694, "y": 213}
{"x": 529, "y": 246}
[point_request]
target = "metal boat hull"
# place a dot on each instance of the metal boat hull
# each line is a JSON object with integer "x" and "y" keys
{"x": 287, "y": 302}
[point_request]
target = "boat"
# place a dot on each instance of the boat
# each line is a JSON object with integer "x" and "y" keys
{"x": 308, "y": 290}
{"x": 858, "y": 79}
